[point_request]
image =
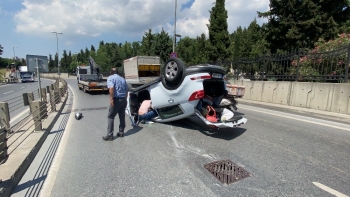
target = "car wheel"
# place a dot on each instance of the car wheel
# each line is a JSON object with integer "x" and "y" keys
{"x": 173, "y": 69}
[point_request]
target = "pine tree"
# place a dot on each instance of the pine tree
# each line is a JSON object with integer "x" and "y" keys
{"x": 299, "y": 24}
{"x": 218, "y": 33}
{"x": 92, "y": 48}
{"x": 162, "y": 45}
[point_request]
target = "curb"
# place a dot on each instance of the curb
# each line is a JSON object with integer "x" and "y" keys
{"x": 325, "y": 115}
{"x": 7, "y": 186}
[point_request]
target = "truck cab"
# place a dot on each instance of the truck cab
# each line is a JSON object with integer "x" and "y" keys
{"x": 25, "y": 75}
{"x": 89, "y": 78}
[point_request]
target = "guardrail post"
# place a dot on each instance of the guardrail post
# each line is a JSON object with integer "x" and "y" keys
{"x": 28, "y": 98}
{"x": 57, "y": 84}
{"x": 52, "y": 101}
{"x": 57, "y": 96}
{"x": 48, "y": 89}
{"x": 3, "y": 144}
{"x": 4, "y": 115}
{"x": 39, "y": 113}
{"x": 43, "y": 94}
{"x": 52, "y": 87}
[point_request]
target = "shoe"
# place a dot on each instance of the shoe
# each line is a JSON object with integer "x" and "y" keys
{"x": 120, "y": 134}
{"x": 107, "y": 138}
{"x": 149, "y": 122}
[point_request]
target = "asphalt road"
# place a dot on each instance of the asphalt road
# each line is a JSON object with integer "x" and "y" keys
{"x": 13, "y": 95}
{"x": 286, "y": 155}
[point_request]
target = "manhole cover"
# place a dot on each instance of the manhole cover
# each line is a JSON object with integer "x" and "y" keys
{"x": 226, "y": 171}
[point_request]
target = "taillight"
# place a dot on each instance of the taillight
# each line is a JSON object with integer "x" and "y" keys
{"x": 201, "y": 77}
{"x": 196, "y": 95}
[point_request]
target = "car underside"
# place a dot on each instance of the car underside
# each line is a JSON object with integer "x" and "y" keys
{"x": 190, "y": 94}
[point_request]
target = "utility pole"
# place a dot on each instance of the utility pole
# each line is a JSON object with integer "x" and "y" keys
{"x": 58, "y": 57}
{"x": 174, "y": 38}
{"x": 39, "y": 82}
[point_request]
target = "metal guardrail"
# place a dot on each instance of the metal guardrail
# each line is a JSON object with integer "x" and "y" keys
{"x": 312, "y": 66}
{"x": 11, "y": 137}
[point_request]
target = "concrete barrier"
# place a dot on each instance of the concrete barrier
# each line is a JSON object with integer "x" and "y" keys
{"x": 300, "y": 94}
{"x": 281, "y": 93}
{"x": 319, "y": 96}
{"x": 340, "y": 102}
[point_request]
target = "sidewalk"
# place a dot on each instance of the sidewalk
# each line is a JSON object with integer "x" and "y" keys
{"x": 24, "y": 145}
{"x": 325, "y": 115}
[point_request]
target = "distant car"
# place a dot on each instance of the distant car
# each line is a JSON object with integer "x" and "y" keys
{"x": 177, "y": 93}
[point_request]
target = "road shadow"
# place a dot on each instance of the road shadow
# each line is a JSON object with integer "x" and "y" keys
{"x": 133, "y": 131}
{"x": 195, "y": 123}
{"x": 29, "y": 184}
{"x": 94, "y": 93}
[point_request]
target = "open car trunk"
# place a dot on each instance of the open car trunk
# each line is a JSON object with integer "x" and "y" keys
{"x": 214, "y": 91}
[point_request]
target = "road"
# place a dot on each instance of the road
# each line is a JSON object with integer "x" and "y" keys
{"x": 13, "y": 95}
{"x": 286, "y": 155}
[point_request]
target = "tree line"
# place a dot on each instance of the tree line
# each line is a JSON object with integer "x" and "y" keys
{"x": 291, "y": 25}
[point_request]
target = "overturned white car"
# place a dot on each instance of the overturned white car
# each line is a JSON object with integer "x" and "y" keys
{"x": 183, "y": 91}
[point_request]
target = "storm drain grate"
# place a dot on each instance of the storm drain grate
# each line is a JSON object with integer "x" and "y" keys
{"x": 226, "y": 171}
{"x": 86, "y": 109}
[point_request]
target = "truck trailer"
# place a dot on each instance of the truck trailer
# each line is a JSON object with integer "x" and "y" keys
{"x": 141, "y": 69}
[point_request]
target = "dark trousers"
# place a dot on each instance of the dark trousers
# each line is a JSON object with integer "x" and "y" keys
{"x": 119, "y": 108}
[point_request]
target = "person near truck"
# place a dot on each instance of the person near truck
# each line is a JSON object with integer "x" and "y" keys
{"x": 118, "y": 91}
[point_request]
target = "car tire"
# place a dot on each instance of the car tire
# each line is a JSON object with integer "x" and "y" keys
{"x": 173, "y": 70}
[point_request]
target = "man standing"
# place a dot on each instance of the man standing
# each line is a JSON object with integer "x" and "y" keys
{"x": 118, "y": 90}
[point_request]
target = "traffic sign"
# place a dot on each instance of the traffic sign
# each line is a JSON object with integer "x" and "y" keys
{"x": 173, "y": 54}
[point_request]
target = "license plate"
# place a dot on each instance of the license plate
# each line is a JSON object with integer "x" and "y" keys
{"x": 216, "y": 75}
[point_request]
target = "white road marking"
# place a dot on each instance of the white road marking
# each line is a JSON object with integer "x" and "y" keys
{"x": 329, "y": 190}
{"x": 19, "y": 115}
{"x": 299, "y": 119}
{"x": 22, "y": 87}
{"x": 8, "y": 92}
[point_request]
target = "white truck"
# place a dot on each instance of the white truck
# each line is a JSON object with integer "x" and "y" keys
{"x": 89, "y": 78}
{"x": 141, "y": 69}
{"x": 25, "y": 75}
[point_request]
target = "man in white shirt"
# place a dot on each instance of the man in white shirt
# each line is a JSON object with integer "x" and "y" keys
{"x": 146, "y": 112}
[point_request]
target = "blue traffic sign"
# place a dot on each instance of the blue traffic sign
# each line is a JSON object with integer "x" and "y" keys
{"x": 173, "y": 54}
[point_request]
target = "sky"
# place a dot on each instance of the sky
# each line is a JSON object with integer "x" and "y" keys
{"x": 26, "y": 25}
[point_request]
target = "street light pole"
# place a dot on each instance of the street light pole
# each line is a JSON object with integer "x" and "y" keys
{"x": 14, "y": 56}
{"x": 14, "y": 60}
{"x": 39, "y": 81}
{"x": 174, "y": 38}
{"x": 58, "y": 57}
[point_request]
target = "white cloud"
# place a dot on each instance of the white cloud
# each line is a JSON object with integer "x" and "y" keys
{"x": 127, "y": 17}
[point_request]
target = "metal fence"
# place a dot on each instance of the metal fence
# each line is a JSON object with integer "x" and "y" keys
{"x": 329, "y": 66}
{"x": 41, "y": 103}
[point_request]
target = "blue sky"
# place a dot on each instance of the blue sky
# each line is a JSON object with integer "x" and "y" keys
{"x": 27, "y": 24}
